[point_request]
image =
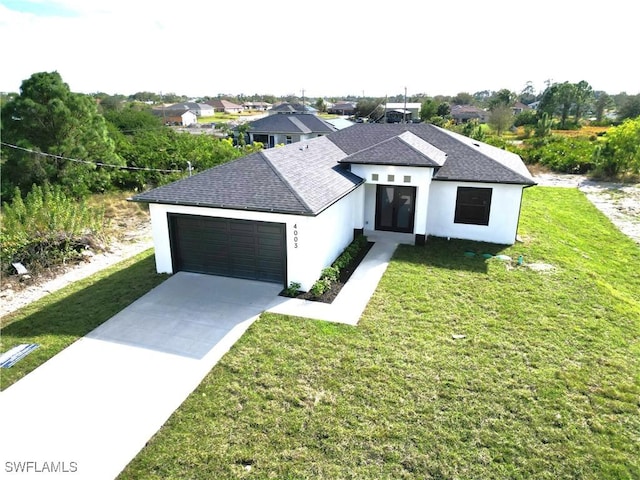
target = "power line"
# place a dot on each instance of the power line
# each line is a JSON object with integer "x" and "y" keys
{"x": 88, "y": 162}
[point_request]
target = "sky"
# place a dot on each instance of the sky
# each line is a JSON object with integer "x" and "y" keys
{"x": 328, "y": 48}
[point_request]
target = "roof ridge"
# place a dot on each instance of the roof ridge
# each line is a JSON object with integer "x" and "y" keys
{"x": 286, "y": 182}
{"x": 454, "y": 135}
{"x": 422, "y": 140}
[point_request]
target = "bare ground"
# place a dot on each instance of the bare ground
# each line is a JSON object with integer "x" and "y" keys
{"x": 620, "y": 202}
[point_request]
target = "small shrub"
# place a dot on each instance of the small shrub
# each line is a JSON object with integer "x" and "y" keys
{"x": 330, "y": 273}
{"x": 321, "y": 286}
{"x": 293, "y": 289}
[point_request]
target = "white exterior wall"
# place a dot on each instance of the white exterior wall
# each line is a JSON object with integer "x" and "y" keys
{"x": 189, "y": 118}
{"x": 420, "y": 178}
{"x": 312, "y": 242}
{"x": 503, "y": 216}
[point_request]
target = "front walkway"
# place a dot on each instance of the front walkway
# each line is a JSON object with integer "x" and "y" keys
{"x": 354, "y": 296}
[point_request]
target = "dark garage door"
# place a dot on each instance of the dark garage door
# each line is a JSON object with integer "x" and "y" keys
{"x": 228, "y": 247}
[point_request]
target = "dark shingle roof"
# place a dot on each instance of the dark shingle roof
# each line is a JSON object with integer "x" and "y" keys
{"x": 466, "y": 159}
{"x": 293, "y": 123}
{"x": 307, "y": 177}
{"x": 301, "y": 180}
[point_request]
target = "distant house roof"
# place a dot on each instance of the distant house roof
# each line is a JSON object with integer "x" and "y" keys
{"x": 297, "y": 123}
{"x": 467, "y": 112}
{"x": 224, "y": 104}
{"x": 307, "y": 178}
{"x": 193, "y": 106}
{"x": 339, "y": 123}
{"x": 286, "y": 107}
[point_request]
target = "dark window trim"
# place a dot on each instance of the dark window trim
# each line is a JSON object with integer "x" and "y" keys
{"x": 473, "y": 205}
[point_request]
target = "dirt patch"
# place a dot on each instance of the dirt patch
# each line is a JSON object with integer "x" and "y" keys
{"x": 620, "y": 202}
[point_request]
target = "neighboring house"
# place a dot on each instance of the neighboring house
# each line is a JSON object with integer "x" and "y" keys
{"x": 465, "y": 113}
{"x": 286, "y": 107}
{"x": 342, "y": 108}
{"x": 284, "y": 214}
{"x": 273, "y": 130}
{"x": 402, "y": 112}
{"x": 176, "y": 117}
{"x": 225, "y": 106}
{"x": 258, "y": 106}
{"x": 200, "y": 109}
{"x": 519, "y": 107}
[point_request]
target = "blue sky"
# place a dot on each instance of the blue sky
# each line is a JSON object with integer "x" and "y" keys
{"x": 328, "y": 48}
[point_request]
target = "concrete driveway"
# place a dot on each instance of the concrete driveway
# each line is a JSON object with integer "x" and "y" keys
{"x": 88, "y": 411}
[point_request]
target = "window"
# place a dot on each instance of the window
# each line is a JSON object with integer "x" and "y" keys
{"x": 407, "y": 179}
{"x": 391, "y": 178}
{"x": 288, "y": 139}
{"x": 473, "y": 205}
{"x": 374, "y": 177}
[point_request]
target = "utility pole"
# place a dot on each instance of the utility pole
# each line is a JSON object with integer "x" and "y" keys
{"x": 404, "y": 113}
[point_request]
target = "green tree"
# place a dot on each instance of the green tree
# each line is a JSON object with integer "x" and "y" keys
{"x": 630, "y": 107}
{"x": 621, "y": 150}
{"x": 462, "y": 98}
{"x": 583, "y": 95}
{"x": 321, "y": 105}
{"x": 61, "y": 135}
{"x": 502, "y": 97}
{"x": 428, "y": 110}
{"x": 370, "y": 108}
{"x": 528, "y": 94}
{"x": 602, "y": 103}
{"x": 501, "y": 118}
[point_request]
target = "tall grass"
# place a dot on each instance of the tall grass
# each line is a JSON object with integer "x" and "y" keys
{"x": 45, "y": 227}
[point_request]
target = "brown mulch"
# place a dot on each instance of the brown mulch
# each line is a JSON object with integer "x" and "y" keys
{"x": 345, "y": 274}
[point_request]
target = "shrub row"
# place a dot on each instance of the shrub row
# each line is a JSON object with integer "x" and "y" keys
{"x": 331, "y": 274}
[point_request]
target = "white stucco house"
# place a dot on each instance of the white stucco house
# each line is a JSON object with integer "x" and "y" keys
{"x": 283, "y": 214}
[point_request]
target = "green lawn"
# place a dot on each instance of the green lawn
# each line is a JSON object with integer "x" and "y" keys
{"x": 57, "y": 320}
{"x": 545, "y": 383}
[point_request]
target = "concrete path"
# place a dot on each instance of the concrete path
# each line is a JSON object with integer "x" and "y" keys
{"x": 90, "y": 409}
{"x": 348, "y": 306}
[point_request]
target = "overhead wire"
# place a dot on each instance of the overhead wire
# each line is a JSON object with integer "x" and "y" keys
{"x": 89, "y": 162}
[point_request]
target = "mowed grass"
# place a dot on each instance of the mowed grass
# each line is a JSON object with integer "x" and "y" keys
{"x": 544, "y": 383}
{"x": 56, "y": 321}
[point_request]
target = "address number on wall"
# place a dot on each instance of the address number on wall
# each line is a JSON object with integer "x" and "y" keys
{"x": 295, "y": 235}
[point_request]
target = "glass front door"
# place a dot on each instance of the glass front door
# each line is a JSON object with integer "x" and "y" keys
{"x": 395, "y": 207}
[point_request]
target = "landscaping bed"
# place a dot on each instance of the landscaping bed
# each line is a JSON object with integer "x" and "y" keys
{"x": 333, "y": 279}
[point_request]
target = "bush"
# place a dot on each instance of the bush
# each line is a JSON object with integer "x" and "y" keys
{"x": 561, "y": 154}
{"x": 47, "y": 228}
{"x": 293, "y": 289}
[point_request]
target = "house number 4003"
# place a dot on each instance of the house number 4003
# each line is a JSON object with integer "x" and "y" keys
{"x": 295, "y": 235}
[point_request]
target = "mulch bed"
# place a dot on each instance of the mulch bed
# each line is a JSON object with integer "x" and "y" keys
{"x": 345, "y": 274}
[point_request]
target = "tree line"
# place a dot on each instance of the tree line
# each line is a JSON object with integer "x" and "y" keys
{"x": 53, "y": 135}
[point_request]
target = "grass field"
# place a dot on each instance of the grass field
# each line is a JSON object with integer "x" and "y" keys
{"x": 543, "y": 384}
